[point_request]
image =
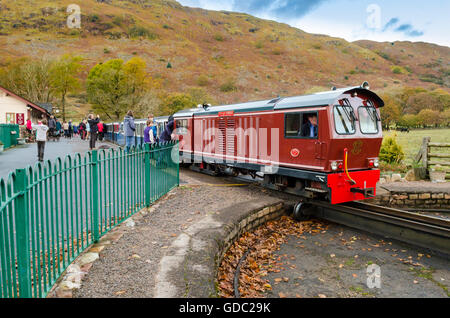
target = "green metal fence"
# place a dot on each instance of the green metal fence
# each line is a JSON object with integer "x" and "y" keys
{"x": 52, "y": 212}
{"x": 9, "y": 134}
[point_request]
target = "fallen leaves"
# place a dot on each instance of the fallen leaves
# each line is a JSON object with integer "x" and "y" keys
{"x": 260, "y": 261}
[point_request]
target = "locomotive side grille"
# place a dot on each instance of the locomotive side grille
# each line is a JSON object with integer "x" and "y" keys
{"x": 230, "y": 135}
{"x": 221, "y": 145}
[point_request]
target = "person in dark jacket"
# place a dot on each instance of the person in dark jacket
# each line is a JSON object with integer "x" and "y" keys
{"x": 167, "y": 133}
{"x": 310, "y": 129}
{"x": 52, "y": 125}
{"x": 70, "y": 129}
{"x": 129, "y": 128}
{"x": 94, "y": 130}
{"x": 58, "y": 127}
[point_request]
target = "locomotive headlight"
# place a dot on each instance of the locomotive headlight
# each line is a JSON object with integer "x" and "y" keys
{"x": 376, "y": 162}
{"x": 334, "y": 165}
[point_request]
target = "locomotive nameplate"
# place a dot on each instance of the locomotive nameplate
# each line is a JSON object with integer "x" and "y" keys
{"x": 228, "y": 113}
{"x": 357, "y": 147}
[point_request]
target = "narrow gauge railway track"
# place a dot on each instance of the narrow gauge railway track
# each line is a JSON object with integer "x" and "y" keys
{"x": 420, "y": 230}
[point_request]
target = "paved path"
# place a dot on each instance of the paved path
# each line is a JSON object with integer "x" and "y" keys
{"x": 24, "y": 155}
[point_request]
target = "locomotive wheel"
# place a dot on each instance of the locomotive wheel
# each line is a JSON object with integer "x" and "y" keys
{"x": 299, "y": 212}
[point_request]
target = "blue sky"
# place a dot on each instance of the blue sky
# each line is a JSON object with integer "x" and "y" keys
{"x": 378, "y": 20}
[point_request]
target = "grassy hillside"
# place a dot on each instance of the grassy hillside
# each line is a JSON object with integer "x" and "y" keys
{"x": 232, "y": 56}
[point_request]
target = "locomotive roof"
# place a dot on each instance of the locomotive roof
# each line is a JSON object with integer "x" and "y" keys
{"x": 317, "y": 99}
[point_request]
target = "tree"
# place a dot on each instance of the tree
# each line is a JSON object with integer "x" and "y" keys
{"x": 422, "y": 100}
{"x": 391, "y": 112}
{"x": 63, "y": 78}
{"x": 445, "y": 117}
{"x": 428, "y": 117}
{"x": 200, "y": 96}
{"x": 29, "y": 78}
{"x": 175, "y": 102}
{"x": 408, "y": 120}
{"x": 115, "y": 86}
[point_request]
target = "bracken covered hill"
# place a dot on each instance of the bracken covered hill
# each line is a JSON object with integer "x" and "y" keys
{"x": 233, "y": 56}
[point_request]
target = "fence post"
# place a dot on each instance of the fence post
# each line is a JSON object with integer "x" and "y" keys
{"x": 22, "y": 234}
{"x": 425, "y": 148}
{"x": 147, "y": 168}
{"x": 94, "y": 196}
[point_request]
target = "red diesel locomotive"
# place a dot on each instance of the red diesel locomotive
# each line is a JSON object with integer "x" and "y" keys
{"x": 323, "y": 145}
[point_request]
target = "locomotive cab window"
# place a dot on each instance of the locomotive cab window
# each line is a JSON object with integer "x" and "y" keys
{"x": 368, "y": 119}
{"x": 301, "y": 125}
{"x": 344, "y": 119}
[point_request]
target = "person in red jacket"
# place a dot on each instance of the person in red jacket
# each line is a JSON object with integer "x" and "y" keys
{"x": 101, "y": 130}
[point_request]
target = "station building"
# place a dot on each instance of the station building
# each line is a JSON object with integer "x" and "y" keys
{"x": 16, "y": 110}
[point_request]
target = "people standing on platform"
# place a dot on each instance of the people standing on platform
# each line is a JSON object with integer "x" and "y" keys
{"x": 66, "y": 129}
{"x": 41, "y": 137}
{"x": 101, "y": 131}
{"x": 88, "y": 128}
{"x": 58, "y": 127}
{"x": 154, "y": 128}
{"x": 82, "y": 130}
{"x": 129, "y": 128}
{"x": 52, "y": 125}
{"x": 70, "y": 129}
{"x": 93, "y": 122}
{"x": 148, "y": 133}
{"x": 167, "y": 134}
{"x": 29, "y": 126}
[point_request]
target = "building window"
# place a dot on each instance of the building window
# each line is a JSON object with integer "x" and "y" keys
{"x": 10, "y": 118}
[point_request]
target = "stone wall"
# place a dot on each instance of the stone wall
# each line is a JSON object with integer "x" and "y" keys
{"x": 427, "y": 200}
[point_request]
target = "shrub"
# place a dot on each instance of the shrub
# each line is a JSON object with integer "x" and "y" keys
{"x": 138, "y": 31}
{"x": 259, "y": 45}
{"x": 218, "y": 37}
{"x": 94, "y": 18}
{"x": 391, "y": 151}
{"x": 398, "y": 70}
{"x": 202, "y": 80}
{"x": 228, "y": 86}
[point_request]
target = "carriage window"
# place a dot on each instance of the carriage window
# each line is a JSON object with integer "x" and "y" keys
{"x": 344, "y": 119}
{"x": 368, "y": 120}
{"x": 301, "y": 125}
{"x": 181, "y": 127}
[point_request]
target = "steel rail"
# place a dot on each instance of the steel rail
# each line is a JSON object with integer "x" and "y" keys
{"x": 423, "y": 231}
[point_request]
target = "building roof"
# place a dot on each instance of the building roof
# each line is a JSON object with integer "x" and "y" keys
{"x": 47, "y": 106}
{"x": 31, "y": 104}
{"x": 317, "y": 99}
